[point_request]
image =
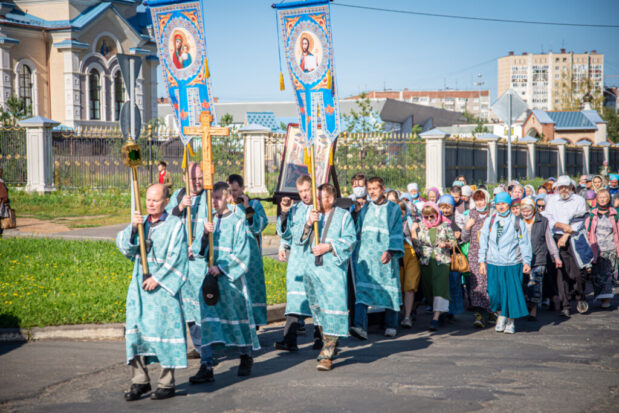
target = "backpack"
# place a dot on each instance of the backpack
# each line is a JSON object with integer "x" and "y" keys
{"x": 591, "y": 215}
{"x": 516, "y": 223}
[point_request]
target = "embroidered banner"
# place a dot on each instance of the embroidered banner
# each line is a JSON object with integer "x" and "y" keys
{"x": 305, "y": 29}
{"x": 181, "y": 46}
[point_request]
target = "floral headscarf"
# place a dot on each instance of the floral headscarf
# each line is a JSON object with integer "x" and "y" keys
{"x": 439, "y": 216}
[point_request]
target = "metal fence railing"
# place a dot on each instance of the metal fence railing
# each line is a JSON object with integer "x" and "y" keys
{"x": 467, "y": 157}
{"x": 398, "y": 159}
{"x": 13, "y": 156}
{"x": 93, "y": 158}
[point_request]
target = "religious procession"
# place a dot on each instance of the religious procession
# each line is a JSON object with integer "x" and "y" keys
{"x": 369, "y": 260}
{"x": 197, "y": 252}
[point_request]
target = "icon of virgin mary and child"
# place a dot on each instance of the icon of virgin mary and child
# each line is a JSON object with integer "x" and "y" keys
{"x": 181, "y": 56}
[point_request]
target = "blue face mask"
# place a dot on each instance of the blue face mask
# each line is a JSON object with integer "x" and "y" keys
{"x": 504, "y": 214}
{"x": 481, "y": 209}
{"x": 359, "y": 191}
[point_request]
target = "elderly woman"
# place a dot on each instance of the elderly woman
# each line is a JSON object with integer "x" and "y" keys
{"x": 433, "y": 195}
{"x": 542, "y": 245}
{"x": 410, "y": 272}
{"x": 504, "y": 255}
{"x": 478, "y": 294}
{"x": 529, "y": 190}
{"x": 603, "y": 231}
{"x": 446, "y": 204}
{"x": 434, "y": 240}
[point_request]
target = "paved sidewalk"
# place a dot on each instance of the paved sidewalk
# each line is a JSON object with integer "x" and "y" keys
{"x": 554, "y": 365}
{"x": 270, "y": 243}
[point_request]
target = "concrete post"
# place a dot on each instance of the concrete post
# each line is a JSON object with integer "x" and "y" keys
{"x": 531, "y": 161}
{"x": 560, "y": 155}
{"x": 606, "y": 150}
{"x": 39, "y": 150}
{"x": 254, "y": 170}
{"x": 435, "y": 157}
{"x": 492, "y": 167}
{"x": 586, "y": 150}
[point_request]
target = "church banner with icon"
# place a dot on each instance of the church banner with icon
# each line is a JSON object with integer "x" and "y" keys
{"x": 305, "y": 28}
{"x": 181, "y": 46}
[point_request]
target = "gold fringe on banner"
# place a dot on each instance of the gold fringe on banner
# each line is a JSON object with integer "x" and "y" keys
{"x": 282, "y": 85}
{"x": 191, "y": 152}
{"x": 329, "y": 79}
{"x": 184, "y": 164}
{"x": 307, "y": 161}
{"x": 207, "y": 73}
{"x": 331, "y": 156}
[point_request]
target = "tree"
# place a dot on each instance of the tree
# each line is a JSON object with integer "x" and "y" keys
{"x": 15, "y": 110}
{"x": 365, "y": 119}
{"x": 480, "y": 128}
{"x": 416, "y": 130}
{"x": 612, "y": 127}
{"x": 226, "y": 120}
{"x": 470, "y": 118}
{"x": 283, "y": 126}
{"x": 574, "y": 91}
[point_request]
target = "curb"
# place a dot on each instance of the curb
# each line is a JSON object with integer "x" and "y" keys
{"x": 94, "y": 331}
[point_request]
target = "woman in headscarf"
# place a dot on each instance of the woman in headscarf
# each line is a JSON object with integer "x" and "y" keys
{"x": 434, "y": 240}
{"x": 410, "y": 273}
{"x": 597, "y": 183}
{"x": 603, "y": 232}
{"x": 529, "y": 190}
{"x": 446, "y": 204}
{"x": 542, "y": 245}
{"x": 504, "y": 255}
{"x": 478, "y": 293}
{"x": 433, "y": 195}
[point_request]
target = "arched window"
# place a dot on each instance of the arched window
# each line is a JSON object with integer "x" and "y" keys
{"x": 95, "y": 94}
{"x": 25, "y": 87}
{"x": 119, "y": 94}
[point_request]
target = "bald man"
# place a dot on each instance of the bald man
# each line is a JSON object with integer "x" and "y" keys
{"x": 195, "y": 268}
{"x": 154, "y": 330}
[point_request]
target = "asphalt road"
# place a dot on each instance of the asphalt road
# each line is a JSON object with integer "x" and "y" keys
{"x": 553, "y": 365}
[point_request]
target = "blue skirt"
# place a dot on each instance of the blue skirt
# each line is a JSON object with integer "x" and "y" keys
{"x": 456, "y": 304}
{"x": 505, "y": 290}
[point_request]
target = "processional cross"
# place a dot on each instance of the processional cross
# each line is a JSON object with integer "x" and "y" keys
{"x": 206, "y": 132}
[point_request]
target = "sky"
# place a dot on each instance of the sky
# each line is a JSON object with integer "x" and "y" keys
{"x": 379, "y": 50}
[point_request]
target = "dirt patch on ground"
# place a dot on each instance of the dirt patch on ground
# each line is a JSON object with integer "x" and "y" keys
{"x": 37, "y": 226}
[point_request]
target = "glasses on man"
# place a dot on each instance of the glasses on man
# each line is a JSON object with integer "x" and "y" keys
{"x": 541, "y": 206}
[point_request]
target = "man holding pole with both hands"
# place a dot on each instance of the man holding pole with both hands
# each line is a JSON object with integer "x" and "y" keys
{"x": 154, "y": 329}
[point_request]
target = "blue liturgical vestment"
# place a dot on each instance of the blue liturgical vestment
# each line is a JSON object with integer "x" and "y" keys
{"x": 154, "y": 326}
{"x": 296, "y": 299}
{"x": 326, "y": 285}
{"x": 379, "y": 229}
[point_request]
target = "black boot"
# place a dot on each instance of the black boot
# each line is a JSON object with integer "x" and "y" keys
{"x": 245, "y": 366}
{"x": 163, "y": 393}
{"x": 136, "y": 391}
{"x": 289, "y": 343}
{"x": 204, "y": 375}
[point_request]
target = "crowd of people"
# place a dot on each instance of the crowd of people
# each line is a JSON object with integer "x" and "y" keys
{"x": 502, "y": 256}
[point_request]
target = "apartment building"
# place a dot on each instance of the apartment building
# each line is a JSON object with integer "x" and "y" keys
{"x": 543, "y": 80}
{"x": 476, "y": 102}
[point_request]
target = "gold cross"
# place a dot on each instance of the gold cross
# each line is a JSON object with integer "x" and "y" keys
{"x": 205, "y": 131}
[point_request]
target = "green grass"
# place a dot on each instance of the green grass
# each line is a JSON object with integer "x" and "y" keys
{"x": 47, "y": 282}
{"x": 101, "y": 207}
